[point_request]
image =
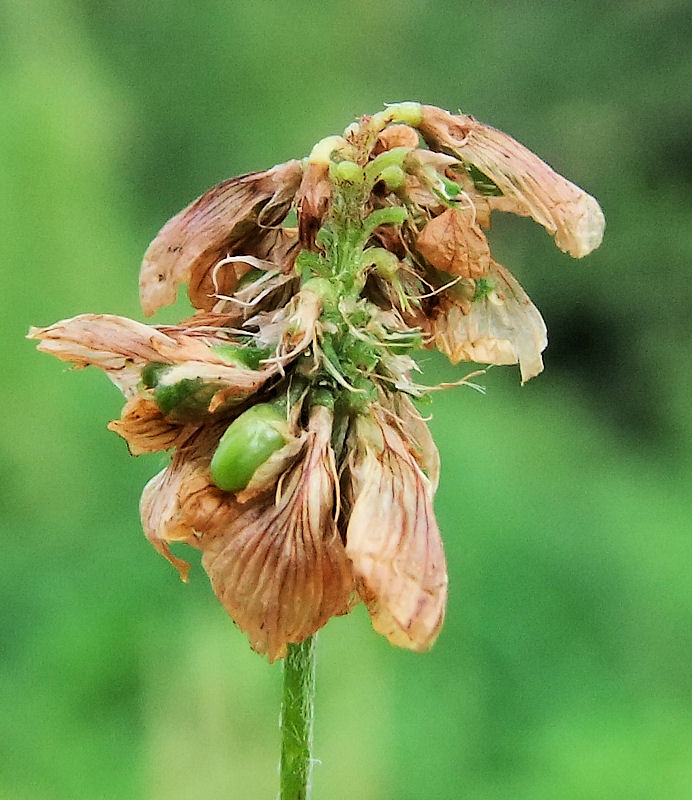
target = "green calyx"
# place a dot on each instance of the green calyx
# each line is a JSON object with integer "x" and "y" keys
{"x": 247, "y": 443}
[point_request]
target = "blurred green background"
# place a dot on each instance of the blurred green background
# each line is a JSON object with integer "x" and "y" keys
{"x": 563, "y": 670}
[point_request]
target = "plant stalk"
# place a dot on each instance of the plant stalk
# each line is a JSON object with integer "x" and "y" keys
{"x": 297, "y": 707}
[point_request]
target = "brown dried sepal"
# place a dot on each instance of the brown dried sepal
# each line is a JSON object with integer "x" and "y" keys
{"x": 455, "y": 243}
{"x": 393, "y": 539}
{"x": 314, "y": 197}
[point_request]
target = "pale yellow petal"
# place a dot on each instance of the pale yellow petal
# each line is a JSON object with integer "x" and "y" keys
{"x": 502, "y": 328}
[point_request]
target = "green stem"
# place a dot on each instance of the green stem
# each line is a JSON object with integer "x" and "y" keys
{"x": 296, "y": 720}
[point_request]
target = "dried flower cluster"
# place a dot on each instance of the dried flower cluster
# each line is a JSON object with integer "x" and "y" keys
{"x": 301, "y": 467}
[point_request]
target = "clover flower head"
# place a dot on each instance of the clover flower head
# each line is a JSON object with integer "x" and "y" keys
{"x": 301, "y": 467}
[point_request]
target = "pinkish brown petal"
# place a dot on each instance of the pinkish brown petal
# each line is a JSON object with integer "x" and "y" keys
{"x": 314, "y": 196}
{"x": 195, "y": 239}
{"x": 455, "y": 243}
{"x": 415, "y": 430}
{"x": 528, "y": 185}
{"x": 117, "y": 345}
{"x": 146, "y": 429}
{"x": 122, "y": 347}
{"x": 396, "y": 136}
{"x": 277, "y": 563}
{"x": 504, "y": 327}
{"x": 393, "y": 539}
{"x": 161, "y": 516}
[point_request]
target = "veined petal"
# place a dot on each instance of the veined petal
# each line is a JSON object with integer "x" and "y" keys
{"x": 121, "y": 347}
{"x": 528, "y": 185}
{"x": 277, "y": 562}
{"x": 415, "y": 430}
{"x": 193, "y": 241}
{"x": 455, "y": 243}
{"x": 161, "y": 515}
{"x": 146, "y": 429}
{"x": 393, "y": 539}
{"x": 504, "y": 327}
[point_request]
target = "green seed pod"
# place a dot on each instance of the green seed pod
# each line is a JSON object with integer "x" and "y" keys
{"x": 249, "y": 277}
{"x": 152, "y": 372}
{"x": 184, "y": 399}
{"x": 247, "y": 443}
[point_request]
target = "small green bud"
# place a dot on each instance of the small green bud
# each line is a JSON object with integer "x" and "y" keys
{"x": 394, "y": 177}
{"x": 247, "y": 356}
{"x": 322, "y": 397}
{"x": 324, "y": 289}
{"x": 348, "y": 172}
{"x": 247, "y": 443}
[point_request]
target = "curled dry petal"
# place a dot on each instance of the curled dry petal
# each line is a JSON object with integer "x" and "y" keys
{"x": 528, "y": 185}
{"x": 415, "y": 430}
{"x": 193, "y": 241}
{"x": 161, "y": 515}
{"x": 395, "y": 136}
{"x": 504, "y": 327}
{"x": 455, "y": 243}
{"x": 122, "y": 347}
{"x": 146, "y": 429}
{"x": 117, "y": 345}
{"x": 279, "y": 566}
{"x": 393, "y": 539}
{"x": 313, "y": 198}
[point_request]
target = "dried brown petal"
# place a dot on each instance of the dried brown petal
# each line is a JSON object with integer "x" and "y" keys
{"x": 395, "y": 136}
{"x": 314, "y": 196}
{"x": 393, "y": 539}
{"x": 189, "y": 244}
{"x": 122, "y": 347}
{"x": 455, "y": 243}
{"x": 528, "y": 185}
{"x": 503, "y": 327}
{"x": 277, "y": 248}
{"x": 416, "y": 431}
{"x": 145, "y": 429}
{"x": 279, "y": 566}
{"x": 161, "y": 516}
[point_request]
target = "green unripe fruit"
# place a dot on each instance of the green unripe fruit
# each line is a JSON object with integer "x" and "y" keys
{"x": 249, "y": 277}
{"x": 247, "y": 443}
{"x": 152, "y": 372}
{"x": 184, "y": 398}
{"x": 349, "y": 172}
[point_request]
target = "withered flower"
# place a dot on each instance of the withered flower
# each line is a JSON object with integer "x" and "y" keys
{"x": 302, "y": 469}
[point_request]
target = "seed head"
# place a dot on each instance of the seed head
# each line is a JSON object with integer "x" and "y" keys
{"x": 301, "y": 467}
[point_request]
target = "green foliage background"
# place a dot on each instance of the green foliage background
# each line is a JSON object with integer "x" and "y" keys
{"x": 563, "y": 670}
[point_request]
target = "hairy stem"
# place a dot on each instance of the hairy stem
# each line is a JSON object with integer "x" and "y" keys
{"x": 296, "y": 720}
